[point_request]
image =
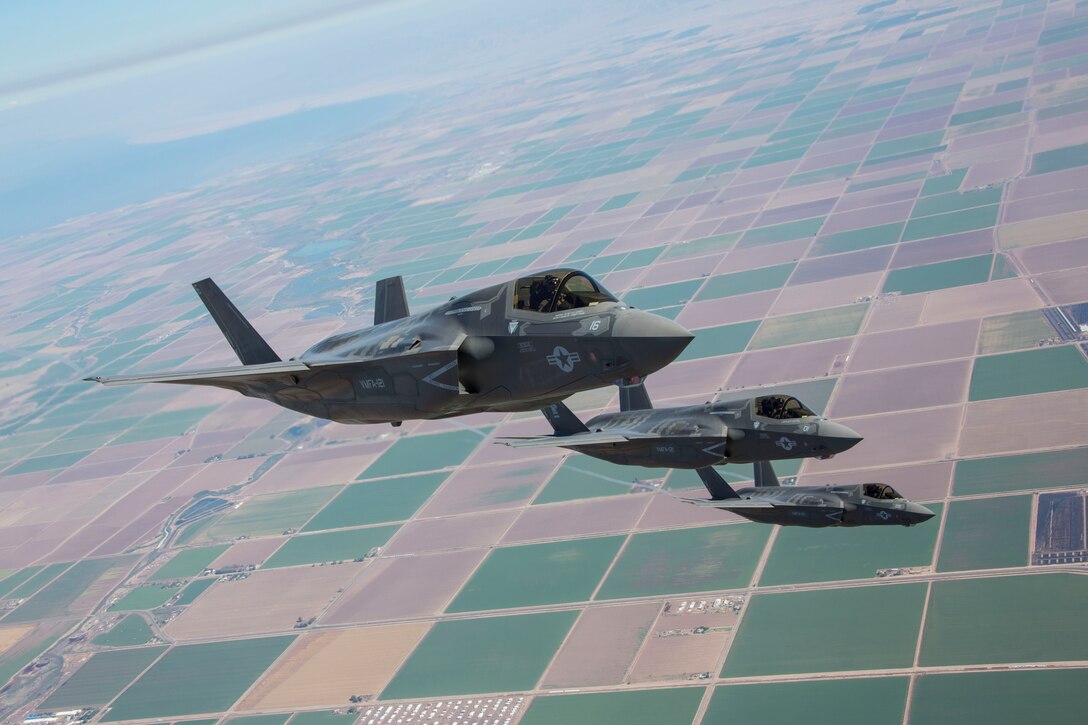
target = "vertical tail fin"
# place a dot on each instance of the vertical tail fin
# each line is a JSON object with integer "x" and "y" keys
{"x": 563, "y": 421}
{"x": 390, "y": 301}
{"x": 715, "y": 484}
{"x": 633, "y": 395}
{"x": 248, "y": 345}
{"x": 765, "y": 475}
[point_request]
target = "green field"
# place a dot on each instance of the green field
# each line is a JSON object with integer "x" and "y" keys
{"x": 954, "y": 222}
{"x": 1014, "y": 331}
{"x": 675, "y": 705}
{"x": 327, "y": 717}
{"x": 739, "y": 283}
{"x": 193, "y": 590}
{"x": 955, "y": 201}
{"x": 686, "y": 560}
{"x": 1027, "y": 618}
{"x": 929, "y": 277}
{"x": 164, "y": 425}
{"x": 585, "y": 477}
{"x": 1052, "y": 469}
{"x": 722, "y": 340}
{"x": 1000, "y": 698}
{"x": 1043, "y": 370}
{"x": 146, "y": 597}
{"x": 536, "y": 574}
{"x": 188, "y": 562}
{"x": 809, "y": 326}
{"x": 198, "y": 678}
{"x": 815, "y": 555}
{"x": 825, "y": 631}
{"x": 1059, "y": 159}
{"x": 869, "y": 701}
{"x": 986, "y": 533}
{"x": 375, "y": 502}
{"x": 102, "y": 677}
{"x": 270, "y": 514}
{"x": 785, "y": 232}
{"x": 857, "y": 239}
{"x": 344, "y": 545}
{"x": 130, "y": 631}
{"x": 494, "y": 654}
{"x": 665, "y": 295}
{"x": 418, "y": 453}
{"x": 33, "y": 578}
{"x": 57, "y": 597}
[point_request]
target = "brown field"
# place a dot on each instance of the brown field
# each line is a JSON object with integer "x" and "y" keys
{"x": 406, "y": 586}
{"x": 666, "y": 512}
{"x": 914, "y": 345}
{"x": 250, "y": 551}
{"x": 831, "y": 293}
{"x": 481, "y": 488}
{"x": 920, "y": 386}
{"x": 682, "y": 657}
{"x": 894, "y": 313}
{"x": 709, "y": 313}
{"x": 577, "y": 518}
{"x": 311, "y": 469}
{"x": 326, "y": 668}
{"x": 920, "y": 481}
{"x": 979, "y": 300}
{"x": 1065, "y": 287}
{"x": 1047, "y": 420}
{"x": 453, "y": 533}
{"x": 218, "y": 475}
{"x": 9, "y": 636}
{"x": 601, "y": 646}
{"x": 700, "y": 377}
{"x": 1056, "y": 228}
{"x": 266, "y": 601}
{"x": 1054, "y": 257}
{"x": 904, "y": 437}
{"x": 939, "y": 249}
{"x": 781, "y": 364}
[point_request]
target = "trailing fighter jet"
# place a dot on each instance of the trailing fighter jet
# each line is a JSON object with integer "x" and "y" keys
{"x": 857, "y": 504}
{"x": 743, "y": 430}
{"x": 515, "y": 346}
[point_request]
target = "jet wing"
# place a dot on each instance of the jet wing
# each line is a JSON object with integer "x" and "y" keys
{"x": 591, "y": 438}
{"x": 732, "y": 504}
{"x": 211, "y": 376}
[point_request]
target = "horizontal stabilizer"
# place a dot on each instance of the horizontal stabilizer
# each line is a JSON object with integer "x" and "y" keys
{"x": 248, "y": 345}
{"x": 572, "y": 441}
{"x": 562, "y": 420}
{"x": 390, "y": 300}
{"x": 731, "y": 504}
{"x": 212, "y": 376}
{"x": 716, "y": 485}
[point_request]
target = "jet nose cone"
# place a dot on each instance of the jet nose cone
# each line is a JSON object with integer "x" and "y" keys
{"x": 917, "y": 513}
{"x": 837, "y": 437}
{"x": 652, "y": 342}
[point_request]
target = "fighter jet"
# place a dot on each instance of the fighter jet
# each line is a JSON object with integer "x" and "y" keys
{"x": 515, "y": 346}
{"x": 766, "y": 427}
{"x": 857, "y": 504}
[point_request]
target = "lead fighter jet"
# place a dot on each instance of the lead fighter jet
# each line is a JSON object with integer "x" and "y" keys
{"x": 515, "y": 346}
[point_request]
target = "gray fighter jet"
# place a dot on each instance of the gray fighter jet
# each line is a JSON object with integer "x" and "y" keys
{"x": 857, "y": 504}
{"x": 514, "y": 346}
{"x": 743, "y": 430}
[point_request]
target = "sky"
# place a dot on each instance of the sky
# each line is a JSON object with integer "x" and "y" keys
{"x": 84, "y": 83}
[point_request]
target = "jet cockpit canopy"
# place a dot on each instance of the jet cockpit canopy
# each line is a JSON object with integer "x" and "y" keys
{"x": 557, "y": 290}
{"x": 879, "y": 491}
{"x": 781, "y": 407}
